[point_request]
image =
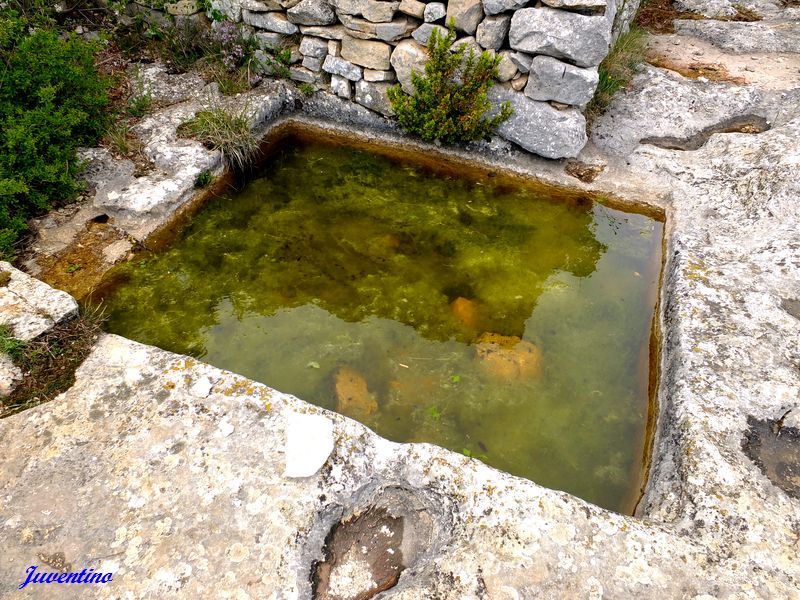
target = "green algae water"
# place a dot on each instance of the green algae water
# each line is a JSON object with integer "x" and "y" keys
{"x": 509, "y": 323}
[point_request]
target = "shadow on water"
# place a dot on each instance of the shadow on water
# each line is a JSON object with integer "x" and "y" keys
{"x": 503, "y": 321}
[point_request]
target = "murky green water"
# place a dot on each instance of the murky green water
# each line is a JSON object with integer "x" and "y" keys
{"x": 357, "y": 282}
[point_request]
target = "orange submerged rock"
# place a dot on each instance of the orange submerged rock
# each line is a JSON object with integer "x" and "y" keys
{"x": 507, "y": 357}
{"x": 352, "y": 394}
{"x": 466, "y": 311}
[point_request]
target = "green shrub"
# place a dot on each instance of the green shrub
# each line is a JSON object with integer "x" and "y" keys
{"x": 52, "y": 101}
{"x": 220, "y": 130}
{"x": 450, "y": 102}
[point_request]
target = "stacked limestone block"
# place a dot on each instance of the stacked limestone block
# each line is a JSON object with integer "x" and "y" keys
{"x": 357, "y": 49}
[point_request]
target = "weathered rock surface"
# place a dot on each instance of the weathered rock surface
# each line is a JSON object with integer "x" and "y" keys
{"x": 408, "y": 56}
{"x": 413, "y": 8}
{"x": 492, "y": 31}
{"x": 370, "y": 54}
{"x": 434, "y": 11}
{"x": 540, "y": 128}
{"x": 274, "y": 21}
{"x": 587, "y": 5}
{"x": 332, "y": 32}
{"x": 314, "y": 47}
{"x": 581, "y": 39}
{"x": 378, "y": 76}
{"x": 494, "y": 7}
{"x": 422, "y": 34}
{"x": 739, "y": 37}
{"x": 666, "y": 104}
{"x": 339, "y": 66}
{"x": 466, "y": 13}
{"x": 375, "y": 11}
{"x": 311, "y": 12}
{"x": 374, "y": 96}
{"x": 551, "y": 79}
{"x": 30, "y": 307}
{"x": 10, "y": 376}
{"x": 341, "y": 87}
{"x": 506, "y": 69}
{"x": 393, "y": 31}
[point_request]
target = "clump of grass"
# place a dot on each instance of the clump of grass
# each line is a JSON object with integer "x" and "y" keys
{"x": 306, "y": 89}
{"x": 10, "y": 345}
{"x": 618, "y": 68}
{"x": 48, "y": 363}
{"x": 139, "y": 106}
{"x": 221, "y": 130}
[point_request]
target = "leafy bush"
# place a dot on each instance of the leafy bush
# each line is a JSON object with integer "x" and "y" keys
{"x": 450, "y": 101}
{"x": 220, "y": 130}
{"x": 52, "y": 100}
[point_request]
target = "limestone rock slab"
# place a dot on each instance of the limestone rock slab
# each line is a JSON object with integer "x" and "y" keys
{"x": 311, "y": 12}
{"x": 540, "y": 128}
{"x": 413, "y": 8}
{"x": 374, "y": 11}
{"x": 581, "y": 39}
{"x": 495, "y": 7}
{"x": 379, "y": 76}
{"x": 551, "y": 79}
{"x": 374, "y": 96}
{"x": 366, "y": 53}
{"x": 333, "y": 32}
{"x": 339, "y": 66}
{"x": 467, "y": 14}
{"x": 273, "y": 21}
{"x": 407, "y": 57}
{"x": 313, "y": 47}
{"x": 393, "y": 31}
{"x": 492, "y": 31}
{"x": 587, "y": 5}
{"x": 434, "y": 11}
{"x": 30, "y": 307}
{"x": 422, "y": 34}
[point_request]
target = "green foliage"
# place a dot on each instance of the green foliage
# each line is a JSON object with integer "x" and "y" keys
{"x": 306, "y": 89}
{"x": 204, "y": 179}
{"x": 220, "y": 130}
{"x": 139, "y": 106}
{"x": 618, "y": 69}
{"x": 52, "y": 100}
{"x": 450, "y": 101}
{"x": 9, "y": 345}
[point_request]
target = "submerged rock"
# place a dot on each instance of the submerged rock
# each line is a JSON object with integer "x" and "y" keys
{"x": 353, "y": 397}
{"x": 466, "y": 311}
{"x": 507, "y": 356}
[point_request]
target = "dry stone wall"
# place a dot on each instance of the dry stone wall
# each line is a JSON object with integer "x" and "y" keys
{"x": 357, "y": 49}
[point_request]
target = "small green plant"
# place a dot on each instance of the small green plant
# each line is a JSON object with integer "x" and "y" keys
{"x": 618, "y": 68}
{"x": 306, "y": 89}
{"x": 73, "y": 267}
{"x": 9, "y": 345}
{"x": 220, "y": 130}
{"x": 450, "y": 100}
{"x": 139, "y": 106}
{"x": 204, "y": 179}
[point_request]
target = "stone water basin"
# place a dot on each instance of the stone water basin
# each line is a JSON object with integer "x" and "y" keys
{"x": 508, "y": 321}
